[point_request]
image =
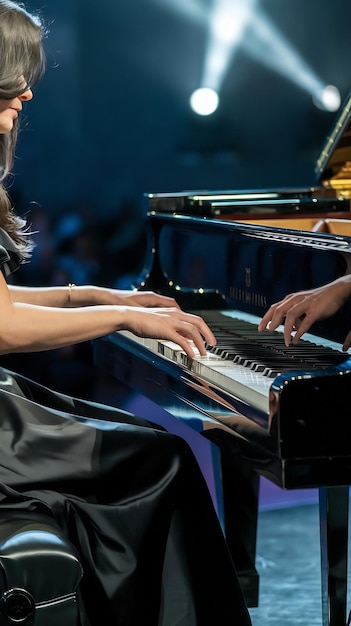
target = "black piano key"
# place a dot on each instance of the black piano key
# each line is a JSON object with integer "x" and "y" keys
{"x": 266, "y": 353}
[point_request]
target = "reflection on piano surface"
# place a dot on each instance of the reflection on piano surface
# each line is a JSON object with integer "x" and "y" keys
{"x": 283, "y": 413}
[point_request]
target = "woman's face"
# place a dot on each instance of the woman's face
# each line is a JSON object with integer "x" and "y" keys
{"x": 9, "y": 110}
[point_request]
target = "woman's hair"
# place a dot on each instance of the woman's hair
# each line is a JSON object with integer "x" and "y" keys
{"x": 22, "y": 63}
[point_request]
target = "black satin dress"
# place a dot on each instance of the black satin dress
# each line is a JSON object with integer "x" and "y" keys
{"x": 130, "y": 497}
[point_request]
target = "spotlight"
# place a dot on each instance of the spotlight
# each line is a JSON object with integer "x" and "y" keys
{"x": 328, "y": 98}
{"x": 204, "y": 101}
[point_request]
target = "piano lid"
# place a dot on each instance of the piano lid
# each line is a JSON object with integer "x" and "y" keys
{"x": 333, "y": 166}
{"x": 329, "y": 192}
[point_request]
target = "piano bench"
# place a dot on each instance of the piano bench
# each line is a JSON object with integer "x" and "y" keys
{"x": 39, "y": 572}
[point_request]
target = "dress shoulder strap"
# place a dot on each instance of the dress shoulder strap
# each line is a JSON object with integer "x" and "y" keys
{"x": 10, "y": 255}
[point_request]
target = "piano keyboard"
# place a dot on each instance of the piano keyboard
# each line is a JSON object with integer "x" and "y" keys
{"x": 244, "y": 362}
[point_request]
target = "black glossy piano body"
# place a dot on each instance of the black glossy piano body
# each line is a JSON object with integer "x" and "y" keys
{"x": 301, "y": 439}
{"x": 225, "y": 252}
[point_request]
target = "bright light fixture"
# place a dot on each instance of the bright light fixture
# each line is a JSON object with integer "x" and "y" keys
{"x": 328, "y": 98}
{"x": 204, "y": 101}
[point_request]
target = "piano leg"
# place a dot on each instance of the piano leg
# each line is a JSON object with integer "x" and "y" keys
{"x": 240, "y": 484}
{"x": 333, "y": 515}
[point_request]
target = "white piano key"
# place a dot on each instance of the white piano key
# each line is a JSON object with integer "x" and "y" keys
{"x": 248, "y": 386}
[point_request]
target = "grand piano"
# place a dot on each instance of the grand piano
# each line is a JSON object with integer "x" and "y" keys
{"x": 266, "y": 410}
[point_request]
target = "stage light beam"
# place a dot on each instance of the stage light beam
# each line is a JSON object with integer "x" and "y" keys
{"x": 227, "y": 24}
{"x": 234, "y": 23}
{"x": 265, "y": 43}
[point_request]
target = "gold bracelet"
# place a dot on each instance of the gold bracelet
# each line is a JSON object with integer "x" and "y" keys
{"x": 70, "y": 286}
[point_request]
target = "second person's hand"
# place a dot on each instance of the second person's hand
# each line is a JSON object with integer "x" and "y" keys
{"x": 298, "y": 311}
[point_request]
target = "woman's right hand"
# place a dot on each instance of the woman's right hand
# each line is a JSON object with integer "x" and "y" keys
{"x": 171, "y": 324}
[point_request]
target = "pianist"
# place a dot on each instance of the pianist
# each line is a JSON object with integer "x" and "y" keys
{"x": 300, "y": 310}
{"x": 129, "y": 496}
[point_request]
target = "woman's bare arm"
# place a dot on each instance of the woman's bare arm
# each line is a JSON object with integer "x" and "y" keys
{"x": 28, "y": 327}
{"x": 76, "y": 296}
